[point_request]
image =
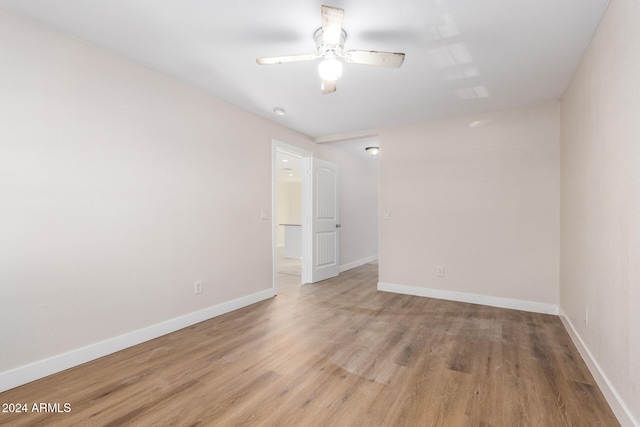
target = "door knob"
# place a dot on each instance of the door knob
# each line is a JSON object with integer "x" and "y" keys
{"x": 338, "y": 225}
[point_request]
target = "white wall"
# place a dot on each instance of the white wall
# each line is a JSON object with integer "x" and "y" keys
{"x": 115, "y": 197}
{"x": 600, "y": 255}
{"x": 481, "y": 201}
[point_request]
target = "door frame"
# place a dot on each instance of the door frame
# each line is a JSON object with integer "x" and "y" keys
{"x": 279, "y": 146}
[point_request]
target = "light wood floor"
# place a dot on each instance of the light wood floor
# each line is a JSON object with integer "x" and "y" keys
{"x": 337, "y": 353}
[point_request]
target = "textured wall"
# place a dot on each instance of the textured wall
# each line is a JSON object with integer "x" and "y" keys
{"x": 600, "y": 255}
{"x": 478, "y": 195}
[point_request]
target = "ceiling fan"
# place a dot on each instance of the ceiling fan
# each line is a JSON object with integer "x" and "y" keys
{"x": 330, "y": 40}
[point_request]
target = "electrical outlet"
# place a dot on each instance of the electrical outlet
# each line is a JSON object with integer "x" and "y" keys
{"x": 440, "y": 271}
{"x": 197, "y": 287}
{"x": 387, "y": 215}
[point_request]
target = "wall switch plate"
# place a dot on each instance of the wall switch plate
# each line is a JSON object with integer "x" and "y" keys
{"x": 197, "y": 287}
{"x": 387, "y": 215}
{"x": 264, "y": 214}
{"x": 440, "y": 271}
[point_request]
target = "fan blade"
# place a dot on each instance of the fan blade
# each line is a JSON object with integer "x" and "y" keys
{"x": 328, "y": 86}
{"x": 290, "y": 58}
{"x": 332, "y": 24}
{"x": 372, "y": 57}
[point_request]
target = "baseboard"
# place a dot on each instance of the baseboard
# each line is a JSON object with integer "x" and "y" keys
{"x": 34, "y": 371}
{"x": 515, "y": 304}
{"x": 619, "y": 408}
{"x": 358, "y": 263}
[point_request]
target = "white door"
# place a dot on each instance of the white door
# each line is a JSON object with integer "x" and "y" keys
{"x": 324, "y": 220}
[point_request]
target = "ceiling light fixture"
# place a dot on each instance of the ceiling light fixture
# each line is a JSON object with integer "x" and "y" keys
{"x": 372, "y": 150}
{"x": 330, "y": 69}
{"x": 330, "y": 40}
{"x": 278, "y": 111}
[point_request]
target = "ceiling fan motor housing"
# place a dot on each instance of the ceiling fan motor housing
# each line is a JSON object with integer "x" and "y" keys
{"x": 328, "y": 50}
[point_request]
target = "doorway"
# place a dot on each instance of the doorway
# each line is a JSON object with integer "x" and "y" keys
{"x": 288, "y": 212}
{"x": 305, "y": 215}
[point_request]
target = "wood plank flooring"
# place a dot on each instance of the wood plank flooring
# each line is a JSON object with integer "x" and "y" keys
{"x": 337, "y": 353}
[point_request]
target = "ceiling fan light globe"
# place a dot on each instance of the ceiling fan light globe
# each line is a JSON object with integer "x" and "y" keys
{"x": 330, "y": 69}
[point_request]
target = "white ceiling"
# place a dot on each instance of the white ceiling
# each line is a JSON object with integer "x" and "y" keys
{"x": 463, "y": 56}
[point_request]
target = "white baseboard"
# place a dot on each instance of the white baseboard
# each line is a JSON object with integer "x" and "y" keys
{"x": 358, "y": 263}
{"x": 25, "y": 374}
{"x": 619, "y": 408}
{"x": 515, "y": 304}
